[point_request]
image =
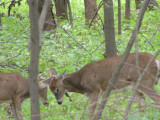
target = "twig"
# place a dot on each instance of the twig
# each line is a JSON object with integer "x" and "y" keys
{"x": 22, "y": 69}
{"x": 14, "y": 56}
{"x": 72, "y": 37}
{"x": 5, "y": 3}
{"x": 149, "y": 41}
{"x": 10, "y": 6}
{"x": 13, "y": 37}
{"x": 98, "y": 46}
{"x": 4, "y": 64}
{"x": 100, "y": 5}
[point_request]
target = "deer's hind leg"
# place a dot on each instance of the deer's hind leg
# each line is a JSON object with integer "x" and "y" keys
{"x": 14, "y": 110}
{"x": 17, "y": 107}
{"x": 151, "y": 93}
{"x": 140, "y": 99}
{"x": 93, "y": 103}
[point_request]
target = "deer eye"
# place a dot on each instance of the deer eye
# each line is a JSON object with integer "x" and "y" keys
{"x": 57, "y": 90}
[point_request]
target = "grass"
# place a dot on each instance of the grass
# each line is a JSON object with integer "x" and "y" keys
{"x": 63, "y": 53}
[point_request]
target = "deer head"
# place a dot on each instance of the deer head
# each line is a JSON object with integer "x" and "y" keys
{"x": 55, "y": 85}
{"x": 43, "y": 96}
{"x": 57, "y": 88}
{"x": 43, "y": 91}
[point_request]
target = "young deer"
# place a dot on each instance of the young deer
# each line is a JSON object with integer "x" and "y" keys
{"x": 14, "y": 89}
{"x": 94, "y": 77}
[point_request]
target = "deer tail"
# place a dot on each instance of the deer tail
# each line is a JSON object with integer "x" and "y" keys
{"x": 158, "y": 71}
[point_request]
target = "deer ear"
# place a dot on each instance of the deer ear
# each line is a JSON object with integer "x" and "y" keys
{"x": 62, "y": 76}
{"x": 46, "y": 83}
{"x": 53, "y": 71}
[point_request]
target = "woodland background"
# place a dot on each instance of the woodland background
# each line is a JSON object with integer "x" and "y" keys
{"x": 70, "y": 46}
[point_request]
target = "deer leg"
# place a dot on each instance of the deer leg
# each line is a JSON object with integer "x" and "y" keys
{"x": 150, "y": 92}
{"x": 17, "y": 101}
{"x": 13, "y": 108}
{"x": 92, "y": 106}
{"x": 93, "y": 103}
{"x": 140, "y": 99}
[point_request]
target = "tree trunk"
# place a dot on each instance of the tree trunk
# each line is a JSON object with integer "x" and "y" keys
{"x": 90, "y": 10}
{"x": 61, "y": 8}
{"x": 127, "y": 10}
{"x": 119, "y": 16}
{"x": 50, "y": 21}
{"x": 138, "y": 4}
{"x": 33, "y": 67}
{"x": 70, "y": 13}
{"x": 109, "y": 30}
{"x": 0, "y": 21}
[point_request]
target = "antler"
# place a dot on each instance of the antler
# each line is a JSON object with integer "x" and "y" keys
{"x": 53, "y": 72}
{"x": 40, "y": 78}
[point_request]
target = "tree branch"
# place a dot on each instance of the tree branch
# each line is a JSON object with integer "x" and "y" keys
{"x": 100, "y": 5}
{"x": 149, "y": 41}
{"x": 42, "y": 17}
{"x": 72, "y": 37}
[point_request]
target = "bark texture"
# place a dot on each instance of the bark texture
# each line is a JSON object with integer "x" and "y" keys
{"x": 90, "y": 9}
{"x": 119, "y": 17}
{"x": 61, "y": 8}
{"x": 138, "y": 4}
{"x": 127, "y": 10}
{"x": 109, "y": 29}
{"x": 49, "y": 21}
{"x": 34, "y": 60}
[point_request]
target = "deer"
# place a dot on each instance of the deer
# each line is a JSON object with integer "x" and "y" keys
{"x": 93, "y": 79}
{"x": 14, "y": 89}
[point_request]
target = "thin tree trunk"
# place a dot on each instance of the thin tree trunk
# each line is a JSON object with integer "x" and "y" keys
{"x": 90, "y": 10}
{"x": 49, "y": 21}
{"x": 138, "y": 4}
{"x": 0, "y": 21}
{"x": 116, "y": 72}
{"x": 127, "y": 10}
{"x": 61, "y": 10}
{"x": 34, "y": 60}
{"x": 70, "y": 13}
{"x": 109, "y": 30}
{"x": 43, "y": 16}
{"x": 119, "y": 16}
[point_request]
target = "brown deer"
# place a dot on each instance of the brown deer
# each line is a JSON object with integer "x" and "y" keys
{"x": 14, "y": 89}
{"x": 94, "y": 77}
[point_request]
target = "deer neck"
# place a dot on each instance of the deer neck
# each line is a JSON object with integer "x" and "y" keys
{"x": 27, "y": 91}
{"x": 72, "y": 83}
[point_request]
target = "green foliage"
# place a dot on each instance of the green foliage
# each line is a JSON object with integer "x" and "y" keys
{"x": 61, "y": 52}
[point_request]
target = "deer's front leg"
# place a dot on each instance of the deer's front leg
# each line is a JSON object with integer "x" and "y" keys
{"x": 93, "y": 102}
